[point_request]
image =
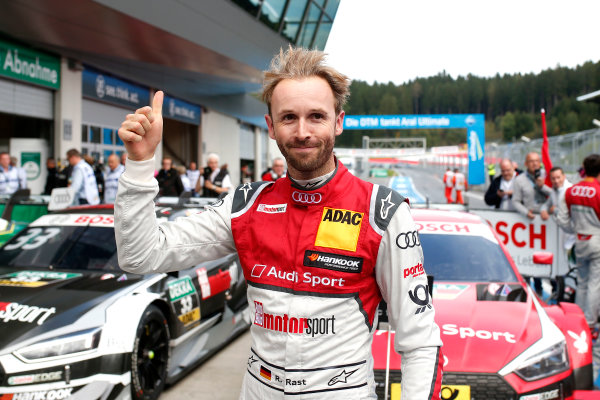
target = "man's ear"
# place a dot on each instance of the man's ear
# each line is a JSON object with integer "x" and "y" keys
{"x": 269, "y": 121}
{"x": 339, "y": 123}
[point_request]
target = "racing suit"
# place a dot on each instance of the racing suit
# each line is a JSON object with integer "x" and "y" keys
{"x": 317, "y": 262}
{"x": 579, "y": 213}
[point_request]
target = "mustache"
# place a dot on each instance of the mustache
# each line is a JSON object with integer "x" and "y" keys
{"x": 303, "y": 143}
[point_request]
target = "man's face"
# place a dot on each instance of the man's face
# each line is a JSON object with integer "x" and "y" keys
{"x": 166, "y": 164}
{"x": 193, "y": 166}
{"x": 5, "y": 161}
{"x": 507, "y": 170}
{"x": 278, "y": 167}
{"x": 304, "y": 124}
{"x": 113, "y": 161}
{"x": 213, "y": 164}
{"x": 532, "y": 162}
{"x": 557, "y": 178}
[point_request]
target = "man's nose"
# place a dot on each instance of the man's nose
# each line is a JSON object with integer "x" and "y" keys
{"x": 303, "y": 129}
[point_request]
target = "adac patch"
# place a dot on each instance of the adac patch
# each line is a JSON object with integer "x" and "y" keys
{"x": 339, "y": 229}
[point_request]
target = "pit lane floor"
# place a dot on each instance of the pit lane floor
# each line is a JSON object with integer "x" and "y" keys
{"x": 219, "y": 378}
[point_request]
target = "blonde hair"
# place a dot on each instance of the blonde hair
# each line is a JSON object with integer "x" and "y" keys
{"x": 299, "y": 63}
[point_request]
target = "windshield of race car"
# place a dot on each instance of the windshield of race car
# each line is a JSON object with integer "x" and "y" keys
{"x": 465, "y": 258}
{"x": 62, "y": 247}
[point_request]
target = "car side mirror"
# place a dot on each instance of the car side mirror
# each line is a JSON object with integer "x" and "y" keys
{"x": 543, "y": 257}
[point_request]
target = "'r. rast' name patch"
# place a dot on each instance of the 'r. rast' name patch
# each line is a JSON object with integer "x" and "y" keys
{"x": 339, "y": 229}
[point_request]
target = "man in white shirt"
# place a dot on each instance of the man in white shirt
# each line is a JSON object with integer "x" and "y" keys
{"x": 193, "y": 173}
{"x": 111, "y": 178}
{"x": 215, "y": 180}
{"x": 499, "y": 193}
{"x": 560, "y": 184}
{"x": 10, "y": 180}
{"x": 83, "y": 180}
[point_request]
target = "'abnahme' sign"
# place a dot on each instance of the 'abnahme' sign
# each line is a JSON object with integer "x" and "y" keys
{"x": 28, "y": 65}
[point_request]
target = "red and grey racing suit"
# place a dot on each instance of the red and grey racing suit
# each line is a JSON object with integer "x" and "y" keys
{"x": 317, "y": 262}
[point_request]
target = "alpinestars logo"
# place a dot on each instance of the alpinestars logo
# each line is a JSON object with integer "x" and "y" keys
{"x": 300, "y": 325}
{"x": 333, "y": 262}
{"x": 420, "y": 296}
{"x": 341, "y": 378}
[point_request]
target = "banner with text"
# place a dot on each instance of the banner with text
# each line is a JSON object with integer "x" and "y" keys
{"x": 25, "y": 64}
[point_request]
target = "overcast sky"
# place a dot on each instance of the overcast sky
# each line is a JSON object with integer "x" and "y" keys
{"x": 400, "y": 40}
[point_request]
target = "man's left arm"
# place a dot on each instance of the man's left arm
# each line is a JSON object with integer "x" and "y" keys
{"x": 403, "y": 284}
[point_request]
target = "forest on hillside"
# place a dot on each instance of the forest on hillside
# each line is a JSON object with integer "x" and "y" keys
{"x": 511, "y": 104}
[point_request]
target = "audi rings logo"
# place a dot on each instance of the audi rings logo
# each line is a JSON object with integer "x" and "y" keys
{"x": 583, "y": 191}
{"x": 307, "y": 198}
{"x": 408, "y": 239}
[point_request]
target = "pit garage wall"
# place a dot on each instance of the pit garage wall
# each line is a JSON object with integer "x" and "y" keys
{"x": 221, "y": 135}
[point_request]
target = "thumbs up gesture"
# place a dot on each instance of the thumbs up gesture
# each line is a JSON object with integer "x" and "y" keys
{"x": 142, "y": 132}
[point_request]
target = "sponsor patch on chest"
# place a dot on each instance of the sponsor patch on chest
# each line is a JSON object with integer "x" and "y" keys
{"x": 339, "y": 229}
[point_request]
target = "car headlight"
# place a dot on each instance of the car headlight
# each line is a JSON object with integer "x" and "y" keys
{"x": 549, "y": 361}
{"x": 67, "y": 345}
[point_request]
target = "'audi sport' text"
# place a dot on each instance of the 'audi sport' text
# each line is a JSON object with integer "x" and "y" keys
{"x": 285, "y": 323}
{"x": 293, "y": 276}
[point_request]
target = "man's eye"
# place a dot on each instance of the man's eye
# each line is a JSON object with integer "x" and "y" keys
{"x": 288, "y": 117}
{"x": 318, "y": 116}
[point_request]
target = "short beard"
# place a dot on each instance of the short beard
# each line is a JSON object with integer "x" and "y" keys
{"x": 308, "y": 164}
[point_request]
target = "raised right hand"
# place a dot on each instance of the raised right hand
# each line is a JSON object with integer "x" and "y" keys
{"x": 142, "y": 132}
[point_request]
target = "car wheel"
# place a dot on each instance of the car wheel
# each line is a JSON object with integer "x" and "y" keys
{"x": 150, "y": 356}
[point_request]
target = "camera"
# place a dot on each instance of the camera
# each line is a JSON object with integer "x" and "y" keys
{"x": 537, "y": 173}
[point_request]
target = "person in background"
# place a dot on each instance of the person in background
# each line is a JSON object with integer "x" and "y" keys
{"x": 448, "y": 185}
{"x": 185, "y": 181}
{"x": 193, "y": 174}
{"x": 52, "y": 179}
{"x": 9, "y": 175}
{"x": 168, "y": 179}
{"x": 491, "y": 171}
{"x": 500, "y": 191}
{"x": 245, "y": 174}
{"x": 578, "y": 213}
{"x": 20, "y": 172}
{"x": 111, "y": 178}
{"x": 98, "y": 173}
{"x": 123, "y": 158}
{"x": 530, "y": 195}
{"x": 460, "y": 185}
{"x": 83, "y": 180}
{"x": 216, "y": 180}
{"x": 276, "y": 171}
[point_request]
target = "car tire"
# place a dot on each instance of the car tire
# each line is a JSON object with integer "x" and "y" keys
{"x": 150, "y": 355}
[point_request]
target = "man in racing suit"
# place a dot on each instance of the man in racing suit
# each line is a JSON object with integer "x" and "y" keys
{"x": 579, "y": 213}
{"x": 319, "y": 248}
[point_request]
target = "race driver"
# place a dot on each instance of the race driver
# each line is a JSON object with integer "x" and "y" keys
{"x": 579, "y": 213}
{"x": 319, "y": 248}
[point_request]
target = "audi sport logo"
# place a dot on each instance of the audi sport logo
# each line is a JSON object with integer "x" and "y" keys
{"x": 307, "y": 198}
{"x": 408, "y": 239}
{"x": 583, "y": 191}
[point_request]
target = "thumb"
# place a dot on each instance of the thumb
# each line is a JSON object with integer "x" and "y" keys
{"x": 157, "y": 103}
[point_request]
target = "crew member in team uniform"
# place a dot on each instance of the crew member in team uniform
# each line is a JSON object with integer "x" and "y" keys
{"x": 460, "y": 185}
{"x": 448, "y": 185}
{"x": 83, "y": 180}
{"x": 579, "y": 213}
{"x": 10, "y": 179}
